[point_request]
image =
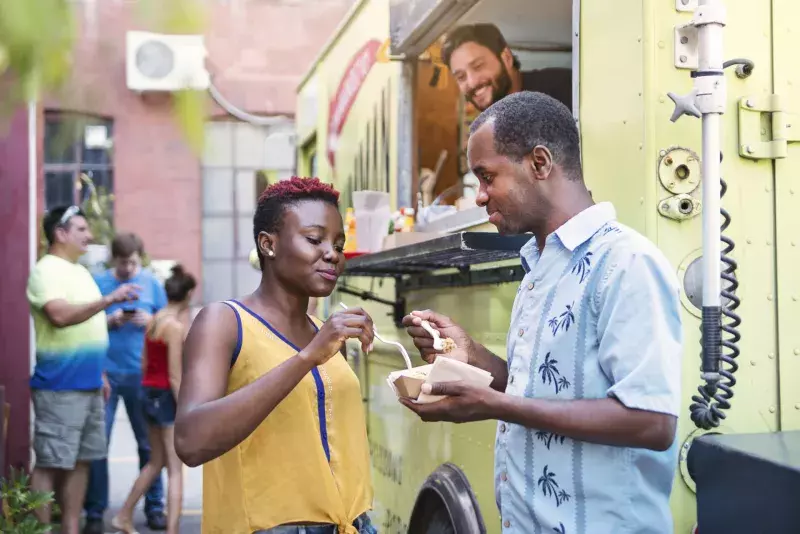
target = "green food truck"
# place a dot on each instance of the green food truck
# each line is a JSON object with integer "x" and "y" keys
{"x": 379, "y": 111}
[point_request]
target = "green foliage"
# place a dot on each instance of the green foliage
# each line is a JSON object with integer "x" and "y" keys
{"x": 36, "y": 39}
{"x": 98, "y": 208}
{"x": 19, "y": 502}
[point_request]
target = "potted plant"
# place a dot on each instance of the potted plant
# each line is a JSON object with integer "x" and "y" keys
{"x": 19, "y": 502}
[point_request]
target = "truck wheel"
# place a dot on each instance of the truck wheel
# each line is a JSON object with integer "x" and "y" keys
{"x": 446, "y": 505}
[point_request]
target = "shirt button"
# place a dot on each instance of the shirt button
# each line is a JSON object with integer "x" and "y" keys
{"x": 530, "y": 286}
{"x": 511, "y": 380}
{"x": 521, "y": 332}
{"x": 504, "y": 477}
{"x": 507, "y": 523}
{"x": 502, "y": 427}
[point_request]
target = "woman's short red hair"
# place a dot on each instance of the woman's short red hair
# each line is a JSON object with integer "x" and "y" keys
{"x": 273, "y": 202}
{"x": 297, "y": 188}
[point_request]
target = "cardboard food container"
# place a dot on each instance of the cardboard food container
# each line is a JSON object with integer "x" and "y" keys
{"x": 408, "y": 382}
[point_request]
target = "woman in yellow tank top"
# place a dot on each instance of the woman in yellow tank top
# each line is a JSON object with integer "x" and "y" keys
{"x": 268, "y": 403}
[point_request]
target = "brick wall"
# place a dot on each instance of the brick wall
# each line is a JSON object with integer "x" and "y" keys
{"x": 258, "y": 50}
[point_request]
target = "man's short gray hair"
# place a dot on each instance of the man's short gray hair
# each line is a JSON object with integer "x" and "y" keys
{"x": 521, "y": 121}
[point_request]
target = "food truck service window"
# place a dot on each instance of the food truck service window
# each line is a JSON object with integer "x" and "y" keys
{"x": 468, "y": 55}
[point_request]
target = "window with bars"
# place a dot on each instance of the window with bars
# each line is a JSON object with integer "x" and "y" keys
{"x": 75, "y": 144}
{"x": 240, "y": 160}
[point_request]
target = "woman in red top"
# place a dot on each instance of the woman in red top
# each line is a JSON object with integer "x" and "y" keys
{"x": 161, "y": 378}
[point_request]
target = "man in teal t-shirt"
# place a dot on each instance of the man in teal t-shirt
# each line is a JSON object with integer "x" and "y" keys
{"x": 68, "y": 382}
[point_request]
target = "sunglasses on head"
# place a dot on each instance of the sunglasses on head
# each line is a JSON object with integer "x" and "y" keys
{"x": 69, "y": 213}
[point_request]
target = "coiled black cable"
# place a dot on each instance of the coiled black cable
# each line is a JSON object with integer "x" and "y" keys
{"x": 707, "y": 408}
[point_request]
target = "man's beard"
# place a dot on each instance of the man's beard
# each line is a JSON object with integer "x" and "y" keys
{"x": 501, "y": 86}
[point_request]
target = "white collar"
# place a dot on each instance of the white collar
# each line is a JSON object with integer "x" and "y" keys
{"x": 585, "y": 224}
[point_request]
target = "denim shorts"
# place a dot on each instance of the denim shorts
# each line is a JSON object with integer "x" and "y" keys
{"x": 159, "y": 406}
{"x": 362, "y": 524}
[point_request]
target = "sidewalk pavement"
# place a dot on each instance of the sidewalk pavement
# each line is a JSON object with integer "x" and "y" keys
{"x": 123, "y": 467}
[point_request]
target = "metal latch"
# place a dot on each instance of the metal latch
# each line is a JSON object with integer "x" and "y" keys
{"x": 763, "y": 115}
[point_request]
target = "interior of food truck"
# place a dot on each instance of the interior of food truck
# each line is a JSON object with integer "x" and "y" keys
{"x": 538, "y": 33}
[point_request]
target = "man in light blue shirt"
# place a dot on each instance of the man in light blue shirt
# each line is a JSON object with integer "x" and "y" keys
{"x": 123, "y": 366}
{"x": 588, "y": 397}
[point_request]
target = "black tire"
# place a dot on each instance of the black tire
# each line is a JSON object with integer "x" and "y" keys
{"x": 446, "y": 505}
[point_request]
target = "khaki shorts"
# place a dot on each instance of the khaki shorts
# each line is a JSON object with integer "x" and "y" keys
{"x": 69, "y": 427}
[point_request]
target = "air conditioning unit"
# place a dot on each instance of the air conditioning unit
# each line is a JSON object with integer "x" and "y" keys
{"x": 159, "y": 62}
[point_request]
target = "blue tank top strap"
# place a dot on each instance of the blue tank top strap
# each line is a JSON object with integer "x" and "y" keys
{"x": 238, "y": 347}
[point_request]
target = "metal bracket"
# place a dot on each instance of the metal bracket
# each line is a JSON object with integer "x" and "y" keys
{"x": 680, "y": 207}
{"x": 686, "y": 43}
{"x": 686, "y": 35}
{"x": 465, "y": 277}
{"x": 398, "y": 305}
{"x": 782, "y": 125}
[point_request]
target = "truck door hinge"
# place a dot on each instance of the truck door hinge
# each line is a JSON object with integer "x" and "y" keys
{"x": 766, "y": 127}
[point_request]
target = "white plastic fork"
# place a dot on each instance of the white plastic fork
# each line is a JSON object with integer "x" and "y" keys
{"x": 395, "y": 343}
{"x": 438, "y": 344}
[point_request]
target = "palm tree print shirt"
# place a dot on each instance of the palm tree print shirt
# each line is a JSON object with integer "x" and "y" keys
{"x": 596, "y": 315}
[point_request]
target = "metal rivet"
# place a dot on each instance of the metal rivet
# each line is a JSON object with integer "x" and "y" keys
{"x": 661, "y": 99}
{"x": 797, "y": 406}
{"x": 797, "y": 352}
{"x": 749, "y": 103}
{"x": 769, "y": 243}
{"x": 683, "y": 59}
{"x": 791, "y": 191}
{"x": 769, "y": 297}
{"x": 662, "y": 153}
{"x": 661, "y": 44}
{"x": 685, "y": 2}
{"x": 792, "y": 243}
{"x": 772, "y": 409}
{"x": 753, "y": 363}
{"x": 684, "y": 40}
{"x": 749, "y": 241}
{"x": 794, "y": 298}
{"x": 749, "y": 149}
{"x": 771, "y": 356}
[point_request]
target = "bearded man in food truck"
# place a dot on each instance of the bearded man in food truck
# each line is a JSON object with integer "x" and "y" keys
{"x": 588, "y": 396}
{"x": 486, "y": 70}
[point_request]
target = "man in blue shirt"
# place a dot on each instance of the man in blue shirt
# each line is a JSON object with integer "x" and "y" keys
{"x": 123, "y": 366}
{"x": 588, "y": 396}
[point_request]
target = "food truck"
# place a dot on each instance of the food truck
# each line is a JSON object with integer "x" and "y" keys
{"x": 379, "y": 111}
